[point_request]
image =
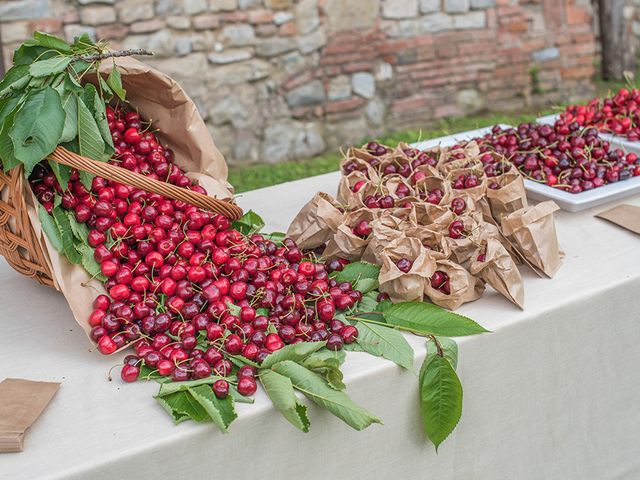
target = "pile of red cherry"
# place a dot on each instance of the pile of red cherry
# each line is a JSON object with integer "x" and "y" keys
{"x": 618, "y": 114}
{"x": 562, "y": 156}
{"x": 189, "y": 290}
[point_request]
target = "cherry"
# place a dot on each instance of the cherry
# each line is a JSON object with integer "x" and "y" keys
{"x": 201, "y": 368}
{"x": 106, "y": 345}
{"x": 247, "y": 386}
{"x": 326, "y": 309}
{"x": 438, "y": 279}
{"x": 362, "y": 229}
{"x": 129, "y": 373}
{"x": 335, "y": 342}
{"x": 404, "y": 265}
{"x": 246, "y": 371}
{"x": 220, "y": 388}
{"x": 273, "y": 342}
{"x": 456, "y": 229}
{"x": 349, "y": 334}
{"x": 458, "y": 205}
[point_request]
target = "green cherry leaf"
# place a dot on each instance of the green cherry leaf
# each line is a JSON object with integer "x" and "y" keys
{"x": 440, "y": 399}
{"x": 431, "y": 319}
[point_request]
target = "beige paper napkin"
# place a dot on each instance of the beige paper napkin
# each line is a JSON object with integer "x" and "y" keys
{"x": 21, "y": 403}
{"x": 626, "y": 216}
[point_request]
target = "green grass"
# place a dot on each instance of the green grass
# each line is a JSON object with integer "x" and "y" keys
{"x": 250, "y": 177}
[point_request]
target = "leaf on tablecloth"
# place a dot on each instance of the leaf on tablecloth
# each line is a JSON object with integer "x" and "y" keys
{"x": 431, "y": 319}
{"x": 196, "y": 401}
{"x": 315, "y": 388}
{"x": 384, "y": 342}
{"x": 296, "y": 352}
{"x": 220, "y": 411}
{"x": 280, "y": 390}
{"x": 440, "y": 398}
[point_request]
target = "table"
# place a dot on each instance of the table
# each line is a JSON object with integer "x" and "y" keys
{"x": 551, "y": 393}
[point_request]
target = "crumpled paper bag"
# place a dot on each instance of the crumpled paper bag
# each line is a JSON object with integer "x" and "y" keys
{"x": 463, "y": 286}
{"x": 403, "y": 286}
{"x": 533, "y": 230}
{"x": 346, "y": 244}
{"x": 495, "y": 266}
{"x": 316, "y": 222}
{"x": 511, "y": 195}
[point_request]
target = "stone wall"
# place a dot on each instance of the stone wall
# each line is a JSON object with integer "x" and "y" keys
{"x": 285, "y": 79}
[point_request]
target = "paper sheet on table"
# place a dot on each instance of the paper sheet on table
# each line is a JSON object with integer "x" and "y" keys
{"x": 21, "y": 403}
{"x": 626, "y": 216}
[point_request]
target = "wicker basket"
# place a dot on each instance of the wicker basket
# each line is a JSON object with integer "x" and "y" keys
{"x": 20, "y": 245}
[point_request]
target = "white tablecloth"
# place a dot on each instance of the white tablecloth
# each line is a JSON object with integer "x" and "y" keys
{"x": 552, "y": 393}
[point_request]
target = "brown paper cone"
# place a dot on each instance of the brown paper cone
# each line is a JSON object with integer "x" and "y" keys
{"x": 346, "y": 244}
{"x": 460, "y": 156}
{"x": 403, "y": 286}
{"x": 464, "y": 287}
{"x": 499, "y": 270}
{"x": 361, "y": 159}
{"x": 533, "y": 230}
{"x": 399, "y": 187}
{"x": 462, "y": 248}
{"x": 511, "y": 195}
{"x": 385, "y": 230}
{"x": 626, "y": 216}
{"x": 316, "y": 222}
{"x": 345, "y": 187}
{"x": 478, "y": 192}
{"x": 433, "y": 241}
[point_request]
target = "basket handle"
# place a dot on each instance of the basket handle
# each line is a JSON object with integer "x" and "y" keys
{"x": 127, "y": 177}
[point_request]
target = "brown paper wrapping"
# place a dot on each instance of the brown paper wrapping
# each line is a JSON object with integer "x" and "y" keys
{"x": 498, "y": 270}
{"x": 461, "y": 156}
{"x": 355, "y": 201}
{"x": 433, "y": 241}
{"x": 396, "y": 181}
{"x": 345, "y": 244}
{"x": 476, "y": 192}
{"x": 533, "y": 230}
{"x": 511, "y": 195}
{"x": 347, "y": 182}
{"x": 464, "y": 287}
{"x": 405, "y": 286}
{"x": 316, "y": 222}
{"x": 364, "y": 160}
{"x": 463, "y": 247}
{"x": 21, "y": 403}
{"x": 386, "y": 228}
{"x": 424, "y": 186}
{"x": 160, "y": 99}
{"x": 428, "y": 214}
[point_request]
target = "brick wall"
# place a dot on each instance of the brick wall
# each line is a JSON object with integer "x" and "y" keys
{"x": 284, "y": 79}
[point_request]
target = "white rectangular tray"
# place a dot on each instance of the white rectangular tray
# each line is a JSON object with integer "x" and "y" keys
{"x": 571, "y": 202}
{"x": 574, "y": 202}
{"x": 614, "y": 140}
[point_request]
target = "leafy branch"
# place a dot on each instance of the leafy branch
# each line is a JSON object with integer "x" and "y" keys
{"x": 114, "y": 54}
